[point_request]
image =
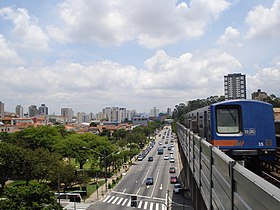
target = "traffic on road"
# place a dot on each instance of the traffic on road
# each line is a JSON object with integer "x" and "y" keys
{"x": 150, "y": 181}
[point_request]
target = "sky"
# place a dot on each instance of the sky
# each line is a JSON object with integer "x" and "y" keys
{"x": 137, "y": 54}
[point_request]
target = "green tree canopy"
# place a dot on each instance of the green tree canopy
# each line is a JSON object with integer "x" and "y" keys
{"x": 35, "y": 196}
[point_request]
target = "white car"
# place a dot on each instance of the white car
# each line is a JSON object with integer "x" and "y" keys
{"x": 166, "y": 157}
{"x": 177, "y": 188}
{"x": 171, "y": 160}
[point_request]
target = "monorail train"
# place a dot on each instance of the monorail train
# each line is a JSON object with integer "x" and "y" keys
{"x": 241, "y": 128}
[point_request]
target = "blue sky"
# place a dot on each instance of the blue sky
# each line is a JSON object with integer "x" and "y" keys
{"x": 137, "y": 54}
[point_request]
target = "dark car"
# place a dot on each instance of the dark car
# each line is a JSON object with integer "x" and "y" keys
{"x": 150, "y": 158}
{"x": 173, "y": 179}
{"x": 149, "y": 181}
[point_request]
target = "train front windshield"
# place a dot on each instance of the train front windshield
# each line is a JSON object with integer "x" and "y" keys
{"x": 228, "y": 120}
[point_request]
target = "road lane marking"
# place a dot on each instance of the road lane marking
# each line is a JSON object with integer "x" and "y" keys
{"x": 106, "y": 198}
{"x": 163, "y": 206}
{"x": 155, "y": 184}
{"x": 109, "y": 201}
{"x": 140, "y": 196}
{"x": 145, "y": 176}
{"x": 124, "y": 202}
{"x": 157, "y": 206}
{"x": 128, "y": 204}
{"x": 151, "y": 206}
{"x": 115, "y": 200}
{"x": 138, "y": 191}
{"x": 145, "y": 205}
{"x": 124, "y": 190}
{"x": 139, "y": 205}
{"x": 119, "y": 201}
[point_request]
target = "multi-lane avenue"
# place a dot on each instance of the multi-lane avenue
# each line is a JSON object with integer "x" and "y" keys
{"x": 157, "y": 195}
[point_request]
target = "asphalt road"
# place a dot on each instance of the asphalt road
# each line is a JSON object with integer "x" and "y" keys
{"x": 151, "y": 197}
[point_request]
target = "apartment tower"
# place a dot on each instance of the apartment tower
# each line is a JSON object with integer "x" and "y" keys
{"x": 235, "y": 86}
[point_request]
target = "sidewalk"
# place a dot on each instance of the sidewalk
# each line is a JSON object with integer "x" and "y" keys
{"x": 101, "y": 191}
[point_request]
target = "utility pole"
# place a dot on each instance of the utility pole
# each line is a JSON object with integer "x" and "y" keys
{"x": 105, "y": 171}
{"x": 167, "y": 200}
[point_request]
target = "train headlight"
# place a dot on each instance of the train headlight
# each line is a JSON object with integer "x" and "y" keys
{"x": 268, "y": 142}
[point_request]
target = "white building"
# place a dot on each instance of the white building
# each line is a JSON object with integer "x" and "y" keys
{"x": 154, "y": 112}
{"x": 235, "y": 86}
{"x": 19, "y": 111}
{"x": 81, "y": 117}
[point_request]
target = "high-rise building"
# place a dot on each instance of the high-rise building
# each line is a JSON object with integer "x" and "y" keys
{"x": 169, "y": 112}
{"x": 108, "y": 113}
{"x": 81, "y": 117}
{"x": 19, "y": 111}
{"x": 43, "y": 109}
{"x": 33, "y": 111}
{"x": 67, "y": 113}
{"x": 2, "y": 105}
{"x": 115, "y": 114}
{"x": 235, "y": 86}
{"x": 259, "y": 95}
{"x": 154, "y": 112}
{"x": 130, "y": 114}
{"x": 121, "y": 114}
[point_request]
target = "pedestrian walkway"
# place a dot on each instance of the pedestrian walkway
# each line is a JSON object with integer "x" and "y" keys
{"x": 125, "y": 201}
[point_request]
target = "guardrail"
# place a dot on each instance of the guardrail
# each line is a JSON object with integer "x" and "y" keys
{"x": 216, "y": 181}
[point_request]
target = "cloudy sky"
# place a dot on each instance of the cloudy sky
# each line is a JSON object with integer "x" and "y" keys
{"x": 137, "y": 54}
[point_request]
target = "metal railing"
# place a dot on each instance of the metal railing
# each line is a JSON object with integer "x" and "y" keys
{"x": 216, "y": 181}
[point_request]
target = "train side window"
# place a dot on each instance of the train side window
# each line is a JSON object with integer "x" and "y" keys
{"x": 228, "y": 120}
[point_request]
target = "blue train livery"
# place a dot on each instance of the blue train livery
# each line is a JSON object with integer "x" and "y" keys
{"x": 241, "y": 128}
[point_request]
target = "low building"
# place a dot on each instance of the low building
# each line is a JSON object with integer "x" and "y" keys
{"x": 259, "y": 95}
{"x": 276, "y": 114}
{"x": 140, "y": 121}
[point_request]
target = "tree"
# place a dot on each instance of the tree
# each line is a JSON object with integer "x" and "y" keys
{"x": 35, "y": 196}
{"x": 119, "y": 134}
{"x": 10, "y": 161}
{"x": 43, "y": 136}
{"x": 72, "y": 147}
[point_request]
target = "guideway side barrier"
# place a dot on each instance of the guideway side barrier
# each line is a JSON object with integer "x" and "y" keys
{"x": 216, "y": 181}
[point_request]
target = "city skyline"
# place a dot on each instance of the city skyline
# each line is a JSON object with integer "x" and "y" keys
{"x": 134, "y": 54}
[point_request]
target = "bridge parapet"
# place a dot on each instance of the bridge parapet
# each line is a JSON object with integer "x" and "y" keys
{"x": 216, "y": 181}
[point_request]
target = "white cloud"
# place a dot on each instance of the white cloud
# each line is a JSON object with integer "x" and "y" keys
{"x": 163, "y": 80}
{"x": 152, "y": 23}
{"x": 26, "y": 30}
{"x": 7, "y": 54}
{"x": 231, "y": 37}
{"x": 266, "y": 78}
{"x": 264, "y": 22}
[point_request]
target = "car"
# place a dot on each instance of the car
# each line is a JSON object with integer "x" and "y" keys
{"x": 177, "y": 188}
{"x": 164, "y": 146}
{"x": 166, "y": 157}
{"x": 150, "y": 158}
{"x": 171, "y": 160}
{"x": 169, "y": 148}
{"x": 172, "y": 170}
{"x": 149, "y": 181}
{"x": 140, "y": 157}
{"x": 173, "y": 179}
